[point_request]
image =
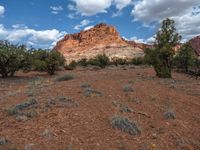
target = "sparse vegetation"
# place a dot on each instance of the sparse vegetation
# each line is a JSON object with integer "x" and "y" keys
{"x": 64, "y": 77}
{"x": 128, "y": 88}
{"x": 169, "y": 114}
{"x": 138, "y": 61}
{"x": 162, "y": 55}
{"x": 47, "y": 61}
{"x": 125, "y": 125}
{"x": 15, "y": 109}
{"x": 12, "y": 59}
{"x": 89, "y": 92}
{"x": 100, "y": 60}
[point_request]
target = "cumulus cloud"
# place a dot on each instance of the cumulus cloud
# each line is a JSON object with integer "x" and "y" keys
{"x": 2, "y": 10}
{"x": 56, "y": 9}
{"x": 120, "y": 4}
{"x": 93, "y": 7}
{"x": 186, "y": 13}
{"x": 88, "y": 28}
{"x": 31, "y": 37}
{"x": 82, "y": 24}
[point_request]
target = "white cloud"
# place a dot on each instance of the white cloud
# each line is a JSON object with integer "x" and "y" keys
{"x": 88, "y": 28}
{"x": 120, "y": 4}
{"x": 82, "y": 24}
{"x": 186, "y": 13}
{"x": 56, "y": 9}
{"x": 25, "y": 35}
{"x": 2, "y": 10}
{"x": 93, "y": 7}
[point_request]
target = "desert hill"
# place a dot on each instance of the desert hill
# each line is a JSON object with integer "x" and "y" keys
{"x": 102, "y": 38}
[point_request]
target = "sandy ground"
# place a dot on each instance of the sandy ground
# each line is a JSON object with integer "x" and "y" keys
{"x": 84, "y": 123}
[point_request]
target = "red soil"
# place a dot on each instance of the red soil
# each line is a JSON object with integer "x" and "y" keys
{"x": 88, "y": 126}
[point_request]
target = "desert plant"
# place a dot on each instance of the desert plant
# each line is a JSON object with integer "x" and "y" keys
{"x": 185, "y": 59}
{"x": 47, "y": 61}
{"x": 119, "y": 61}
{"x": 137, "y": 61}
{"x": 100, "y": 60}
{"x": 15, "y": 109}
{"x": 12, "y": 58}
{"x": 83, "y": 62}
{"x": 125, "y": 125}
{"x": 169, "y": 114}
{"x": 64, "y": 77}
{"x": 73, "y": 64}
{"x": 162, "y": 55}
{"x": 128, "y": 88}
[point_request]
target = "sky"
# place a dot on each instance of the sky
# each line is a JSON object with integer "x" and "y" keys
{"x": 41, "y": 23}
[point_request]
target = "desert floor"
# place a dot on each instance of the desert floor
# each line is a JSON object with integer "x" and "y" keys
{"x": 66, "y": 115}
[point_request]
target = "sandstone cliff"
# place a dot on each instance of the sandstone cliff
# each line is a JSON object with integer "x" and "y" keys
{"x": 98, "y": 40}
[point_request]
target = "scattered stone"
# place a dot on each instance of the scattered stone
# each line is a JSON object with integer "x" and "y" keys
{"x": 29, "y": 146}
{"x": 69, "y": 147}
{"x": 169, "y": 115}
{"x": 47, "y": 134}
{"x": 21, "y": 118}
{"x": 85, "y": 85}
{"x": 32, "y": 114}
{"x": 126, "y": 109}
{"x": 128, "y": 88}
{"x": 3, "y": 141}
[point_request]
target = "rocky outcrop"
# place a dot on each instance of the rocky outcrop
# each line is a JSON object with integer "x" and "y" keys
{"x": 195, "y": 42}
{"x": 101, "y": 39}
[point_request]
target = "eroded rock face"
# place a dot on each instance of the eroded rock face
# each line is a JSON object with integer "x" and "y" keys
{"x": 98, "y": 40}
{"x": 195, "y": 42}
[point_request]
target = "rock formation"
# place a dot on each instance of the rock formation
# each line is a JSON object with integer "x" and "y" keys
{"x": 195, "y": 42}
{"x": 98, "y": 40}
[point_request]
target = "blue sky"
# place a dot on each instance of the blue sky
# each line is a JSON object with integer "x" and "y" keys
{"x": 41, "y": 23}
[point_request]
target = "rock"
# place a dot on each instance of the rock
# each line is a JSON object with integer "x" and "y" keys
{"x": 195, "y": 42}
{"x": 100, "y": 39}
{"x": 47, "y": 134}
{"x": 29, "y": 146}
{"x": 21, "y": 118}
{"x": 3, "y": 141}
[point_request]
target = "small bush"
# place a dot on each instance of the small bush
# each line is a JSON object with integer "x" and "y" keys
{"x": 71, "y": 66}
{"x": 138, "y": 61}
{"x": 128, "y": 88}
{"x": 15, "y": 110}
{"x": 47, "y": 61}
{"x": 126, "y": 109}
{"x": 169, "y": 115}
{"x": 89, "y": 92}
{"x": 125, "y": 125}
{"x": 82, "y": 62}
{"x": 100, "y": 60}
{"x": 85, "y": 85}
{"x": 119, "y": 61}
{"x": 64, "y": 77}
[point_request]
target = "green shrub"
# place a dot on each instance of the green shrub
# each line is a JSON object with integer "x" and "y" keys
{"x": 100, "y": 60}
{"x": 119, "y": 61}
{"x": 72, "y": 65}
{"x": 82, "y": 62}
{"x": 162, "y": 55}
{"x": 47, "y": 61}
{"x": 185, "y": 59}
{"x": 138, "y": 61}
{"x": 64, "y": 77}
{"x": 12, "y": 58}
